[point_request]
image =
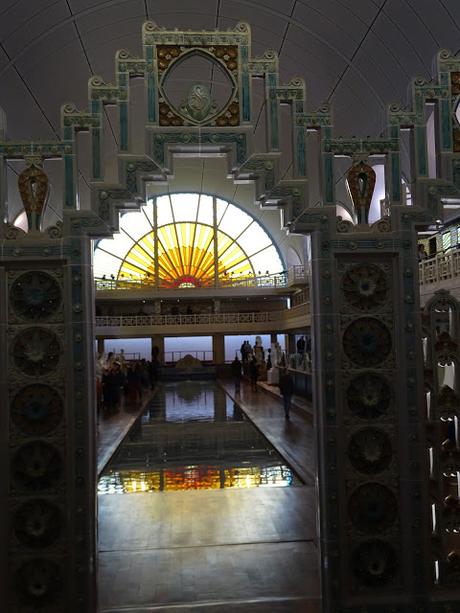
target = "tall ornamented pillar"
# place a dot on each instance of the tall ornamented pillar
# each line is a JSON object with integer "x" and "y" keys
{"x": 290, "y": 344}
{"x": 47, "y": 421}
{"x": 218, "y": 349}
{"x": 368, "y": 378}
{"x": 158, "y": 347}
{"x": 100, "y": 345}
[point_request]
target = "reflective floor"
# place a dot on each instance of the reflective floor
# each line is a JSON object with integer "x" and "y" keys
{"x": 214, "y": 536}
{"x": 192, "y": 436}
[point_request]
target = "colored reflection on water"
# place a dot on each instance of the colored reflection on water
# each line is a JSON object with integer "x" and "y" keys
{"x": 192, "y": 437}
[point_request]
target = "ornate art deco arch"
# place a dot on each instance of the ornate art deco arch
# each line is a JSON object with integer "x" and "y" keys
{"x": 378, "y": 549}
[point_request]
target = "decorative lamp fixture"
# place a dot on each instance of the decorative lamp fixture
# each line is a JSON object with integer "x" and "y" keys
{"x": 361, "y": 183}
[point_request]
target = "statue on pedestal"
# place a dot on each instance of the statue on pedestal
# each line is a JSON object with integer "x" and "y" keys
{"x": 269, "y": 359}
{"x": 259, "y": 350}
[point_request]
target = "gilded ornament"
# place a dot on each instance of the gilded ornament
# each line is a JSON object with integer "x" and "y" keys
{"x": 34, "y": 191}
{"x": 361, "y": 182}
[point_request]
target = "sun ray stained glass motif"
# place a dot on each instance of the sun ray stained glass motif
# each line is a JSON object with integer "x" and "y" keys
{"x": 185, "y": 240}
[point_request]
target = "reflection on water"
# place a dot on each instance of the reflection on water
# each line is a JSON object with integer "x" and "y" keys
{"x": 192, "y": 436}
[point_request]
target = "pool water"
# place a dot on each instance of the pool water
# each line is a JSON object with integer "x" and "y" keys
{"x": 192, "y": 436}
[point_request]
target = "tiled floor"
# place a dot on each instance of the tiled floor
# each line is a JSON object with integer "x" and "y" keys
{"x": 226, "y": 550}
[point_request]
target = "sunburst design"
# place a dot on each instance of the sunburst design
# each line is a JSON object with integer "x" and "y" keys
{"x": 186, "y": 240}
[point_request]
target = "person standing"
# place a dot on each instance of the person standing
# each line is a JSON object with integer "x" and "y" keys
{"x": 286, "y": 386}
{"x": 422, "y": 254}
{"x": 243, "y": 351}
{"x": 301, "y": 345}
{"x": 236, "y": 371}
{"x": 253, "y": 374}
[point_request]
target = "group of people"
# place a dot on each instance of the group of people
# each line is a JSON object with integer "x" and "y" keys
{"x": 252, "y": 369}
{"x": 286, "y": 382}
{"x": 246, "y": 351}
{"x": 119, "y": 379}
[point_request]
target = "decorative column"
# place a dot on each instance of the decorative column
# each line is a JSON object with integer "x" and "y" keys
{"x": 100, "y": 345}
{"x": 218, "y": 349}
{"x": 48, "y": 414}
{"x": 290, "y": 344}
{"x": 158, "y": 344}
{"x": 368, "y": 378}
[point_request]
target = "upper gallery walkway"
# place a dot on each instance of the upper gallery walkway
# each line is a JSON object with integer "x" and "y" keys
{"x": 132, "y": 326}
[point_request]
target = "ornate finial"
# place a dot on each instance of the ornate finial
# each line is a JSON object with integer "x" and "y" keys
{"x": 199, "y": 105}
{"x": 33, "y": 187}
{"x": 361, "y": 182}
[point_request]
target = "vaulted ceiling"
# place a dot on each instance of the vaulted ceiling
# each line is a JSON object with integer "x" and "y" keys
{"x": 359, "y": 55}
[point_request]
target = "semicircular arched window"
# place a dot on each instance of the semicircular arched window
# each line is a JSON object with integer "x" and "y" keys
{"x": 186, "y": 240}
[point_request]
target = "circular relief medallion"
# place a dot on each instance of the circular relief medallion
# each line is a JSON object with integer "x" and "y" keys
{"x": 368, "y": 396}
{"x": 372, "y": 507}
{"x": 38, "y": 581}
{"x": 367, "y": 341}
{"x": 370, "y": 451}
{"x": 375, "y": 563}
{"x": 365, "y": 287}
{"x": 35, "y": 295}
{"x": 37, "y": 466}
{"x": 37, "y": 523}
{"x": 37, "y": 409}
{"x": 36, "y": 351}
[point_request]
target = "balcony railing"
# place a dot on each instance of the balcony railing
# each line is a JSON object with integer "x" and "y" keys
{"x": 295, "y": 275}
{"x": 204, "y": 319}
{"x": 441, "y": 267}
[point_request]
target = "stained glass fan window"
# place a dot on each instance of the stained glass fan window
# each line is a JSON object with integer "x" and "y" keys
{"x": 186, "y": 240}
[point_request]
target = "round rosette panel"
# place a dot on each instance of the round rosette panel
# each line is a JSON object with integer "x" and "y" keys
{"x": 367, "y": 342}
{"x": 38, "y": 581}
{"x": 37, "y": 409}
{"x": 370, "y": 451}
{"x": 37, "y": 523}
{"x": 365, "y": 287}
{"x": 368, "y": 396}
{"x": 35, "y": 296}
{"x": 36, "y": 351}
{"x": 375, "y": 563}
{"x": 37, "y": 466}
{"x": 372, "y": 507}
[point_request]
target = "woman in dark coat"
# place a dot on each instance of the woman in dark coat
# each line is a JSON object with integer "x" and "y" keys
{"x": 286, "y": 385}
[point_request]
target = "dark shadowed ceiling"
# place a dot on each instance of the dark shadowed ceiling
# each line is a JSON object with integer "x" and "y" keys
{"x": 357, "y": 54}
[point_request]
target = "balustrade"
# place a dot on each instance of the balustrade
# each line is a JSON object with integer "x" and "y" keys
{"x": 188, "y": 320}
{"x": 441, "y": 267}
{"x": 286, "y": 278}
